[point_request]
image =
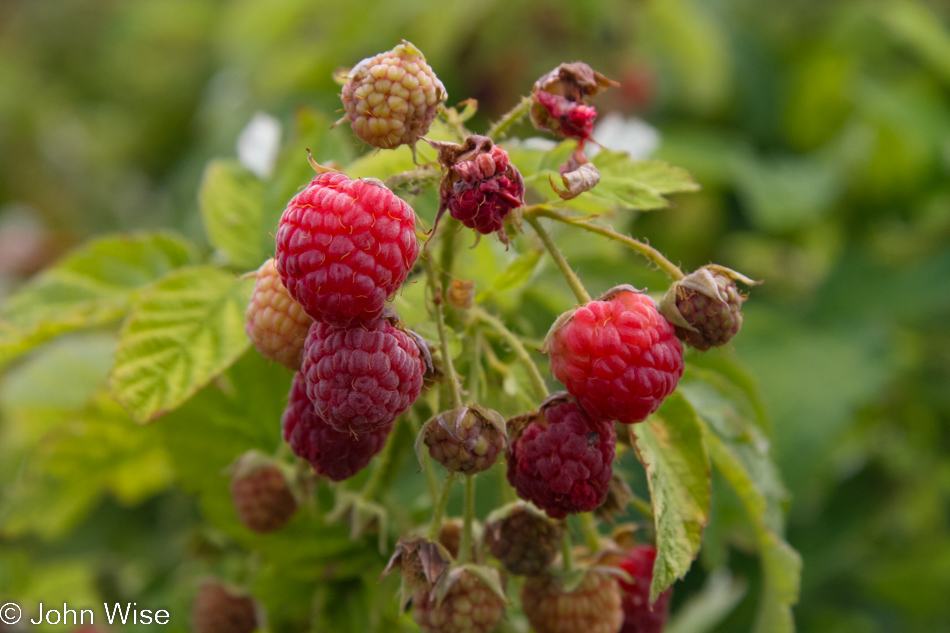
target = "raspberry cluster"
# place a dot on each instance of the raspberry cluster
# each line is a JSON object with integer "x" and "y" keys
{"x": 321, "y": 307}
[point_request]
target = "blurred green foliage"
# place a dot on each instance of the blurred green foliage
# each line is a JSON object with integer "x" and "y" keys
{"x": 819, "y": 131}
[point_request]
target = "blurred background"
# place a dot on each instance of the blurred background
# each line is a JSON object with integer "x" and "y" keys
{"x": 818, "y": 129}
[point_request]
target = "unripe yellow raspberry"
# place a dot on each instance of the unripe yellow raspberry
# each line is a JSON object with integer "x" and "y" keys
{"x": 392, "y": 98}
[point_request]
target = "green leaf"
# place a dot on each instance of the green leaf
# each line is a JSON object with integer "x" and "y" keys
{"x": 232, "y": 208}
{"x": 240, "y": 411}
{"x": 781, "y": 565}
{"x": 181, "y": 332}
{"x": 90, "y": 287}
{"x": 518, "y": 272}
{"x": 670, "y": 445}
{"x": 637, "y": 184}
{"x": 740, "y": 452}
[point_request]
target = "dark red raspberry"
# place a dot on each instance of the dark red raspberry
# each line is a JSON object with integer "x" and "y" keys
{"x": 480, "y": 186}
{"x": 705, "y": 307}
{"x": 639, "y": 616}
{"x": 560, "y": 459}
{"x": 344, "y": 246}
{"x": 466, "y": 440}
{"x": 470, "y": 606}
{"x": 221, "y": 609}
{"x": 260, "y": 492}
{"x": 524, "y": 541}
{"x": 593, "y": 607}
{"x": 617, "y": 355}
{"x": 334, "y": 455}
{"x": 360, "y": 378}
{"x": 276, "y": 324}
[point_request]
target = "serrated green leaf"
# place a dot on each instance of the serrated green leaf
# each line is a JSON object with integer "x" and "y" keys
{"x": 670, "y": 445}
{"x": 518, "y": 272}
{"x": 181, "y": 332}
{"x": 231, "y": 199}
{"x": 638, "y": 184}
{"x": 89, "y": 287}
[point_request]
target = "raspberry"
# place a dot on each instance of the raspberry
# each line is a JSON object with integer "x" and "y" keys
{"x": 562, "y": 117}
{"x": 262, "y": 498}
{"x": 561, "y": 460}
{"x": 593, "y": 607}
{"x": 480, "y": 186}
{"x": 706, "y": 307}
{"x": 360, "y": 378}
{"x": 469, "y": 606}
{"x": 276, "y": 324}
{"x": 617, "y": 355}
{"x": 344, "y": 246}
{"x": 221, "y": 609}
{"x": 524, "y": 541}
{"x": 334, "y": 455}
{"x": 639, "y": 616}
{"x": 392, "y": 98}
{"x": 559, "y": 100}
{"x": 466, "y": 440}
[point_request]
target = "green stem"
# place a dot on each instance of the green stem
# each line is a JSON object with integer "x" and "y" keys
{"x": 431, "y": 479}
{"x": 534, "y": 374}
{"x": 642, "y": 506}
{"x": 591, "y": 535}
{"x": 572, "y": 280}
{"x": 384, "y": 465}
{"x": 567, "y": 556}
{"x": 475, "y": 371}
{"x": 450, "y": 227}
{"x": 465, "y": 546}
{"x": 644, "y": 249}
{"x": 508, "y": 119}
{"x": 447, "y": 366}
{"x": 436, "y": 526}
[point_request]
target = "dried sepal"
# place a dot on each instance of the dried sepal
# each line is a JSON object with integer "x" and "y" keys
{"x": 422, "y": 564}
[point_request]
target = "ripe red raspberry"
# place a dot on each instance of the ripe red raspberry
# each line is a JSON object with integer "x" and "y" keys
{"x": 221, "y": 609}
{"x": 470, "y": 606}
{"x": 480, "y": 186}
{"x": 617, "y": 355}
{"x": 524, "y": 541}
{"x": 276, "y": 324}
{"x": 360, "y": 378}
{"x": 344, "y": 246}
{"x": 705, "y": 307}
{"x": 334, "y": 455}
{"x": 593, "y": 607}
{"x": 560, "y": 459}
{"x": 260, "y": 492}
{"x": 392, "y": 98}
{"x": 466, "y": 440}
{"x": 639, "y": 616}
{"x": 559, "y": 100}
